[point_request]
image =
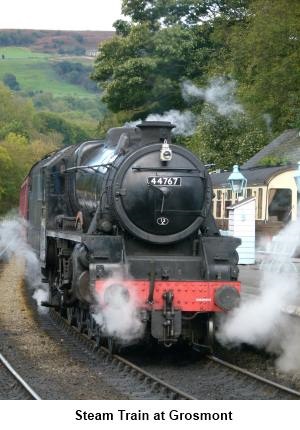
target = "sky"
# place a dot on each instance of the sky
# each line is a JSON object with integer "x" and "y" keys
{"x": 59, "y": 14}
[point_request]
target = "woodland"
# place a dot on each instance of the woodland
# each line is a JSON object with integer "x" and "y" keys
{"x": 226, "y": 72}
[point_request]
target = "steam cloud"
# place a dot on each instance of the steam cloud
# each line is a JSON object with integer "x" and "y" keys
{"x": 220, "y": 93}
{"x": 185, "y": 121}
{"x": 116, "y": 312}
{"x": 13, "y": 244}
{"x": 118, "y": 317}
{"x": 268, "y": 121}
{"x": 263, "y": 321}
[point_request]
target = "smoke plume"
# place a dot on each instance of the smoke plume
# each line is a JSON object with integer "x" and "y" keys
{"x": 13, "y": 244}
{"x": 117, "y": 313}
{"x": 268, "y": 121}
{"x": 220, "y": 93}
{"x": 185, "y": 122}
{"x": 264, "y": 321}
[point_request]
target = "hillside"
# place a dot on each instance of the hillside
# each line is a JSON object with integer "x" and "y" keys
{"x": 52, "y": 68}
{"x": 59, "y": 42}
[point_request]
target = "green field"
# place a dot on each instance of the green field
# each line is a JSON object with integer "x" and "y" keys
{"x": 34, "y": 72}
{"x": 12, "y": 53}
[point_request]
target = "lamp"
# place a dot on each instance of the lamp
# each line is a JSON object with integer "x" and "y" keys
{"x": 238, "y": 182}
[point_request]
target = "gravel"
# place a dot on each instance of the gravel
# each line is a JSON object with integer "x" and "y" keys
{"x": 54, "y": 367}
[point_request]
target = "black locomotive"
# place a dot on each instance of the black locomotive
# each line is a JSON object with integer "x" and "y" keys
{"x": 131, "y": 214}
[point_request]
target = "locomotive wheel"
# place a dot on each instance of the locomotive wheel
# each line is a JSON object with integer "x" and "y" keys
{"x": 91, "y": 326}
{"x": 80, "y": 319}
{"x": 71, "y": 315}
{"x": 112, "y": 345}
{"x": 98, "y": 336}
{"x": 54, "y": 297}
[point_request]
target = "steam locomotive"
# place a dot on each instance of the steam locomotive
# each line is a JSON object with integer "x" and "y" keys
{"x": 130, "y": 215}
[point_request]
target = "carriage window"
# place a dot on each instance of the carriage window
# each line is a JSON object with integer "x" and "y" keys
{"x": 280, "y": 204}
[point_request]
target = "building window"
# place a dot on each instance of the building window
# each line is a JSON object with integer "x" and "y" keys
{"x": 229, "y": 195}
{"x": 219, "y": 209}
{"x": 228, "y": 203}
{"x": 217, "y": 204}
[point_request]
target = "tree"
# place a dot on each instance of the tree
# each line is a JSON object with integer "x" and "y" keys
{"x": 187, "y": 12}
{"x": 48, "y": 122}
{"x": 164, "y": 43}
{"x": 11, "y": 82}
{"x": 16, "y": 114}
{"x": 5, "y": 166}
{"x": 17, "y": 155}
{"x": 263, "y": 54}
{"x": 226, "y": 141}
{"x": 142, "y": 72}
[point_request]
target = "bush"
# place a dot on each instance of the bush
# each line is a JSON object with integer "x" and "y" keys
{"x": 10, "y": 80}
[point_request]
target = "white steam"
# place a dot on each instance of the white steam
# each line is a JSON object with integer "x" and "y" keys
{"x": 185, "y": 122}
{"x": 263, "y": 321}
{"x": 268, "y": 121}
{"x": 117, "y": 313}
{"x": 219, "y": 93}
{"x": 13, "y": 244}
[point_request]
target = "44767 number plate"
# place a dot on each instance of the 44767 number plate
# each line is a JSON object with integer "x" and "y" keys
{"x": 164, "y": 180}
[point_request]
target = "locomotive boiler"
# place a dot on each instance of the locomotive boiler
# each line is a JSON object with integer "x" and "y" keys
{"x": 131, "y": 215}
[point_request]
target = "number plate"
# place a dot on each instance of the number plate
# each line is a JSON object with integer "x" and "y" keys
{"x": 170, "y": 181}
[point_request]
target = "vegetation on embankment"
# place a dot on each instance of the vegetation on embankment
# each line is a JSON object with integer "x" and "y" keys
{"x": 232, "y": 65}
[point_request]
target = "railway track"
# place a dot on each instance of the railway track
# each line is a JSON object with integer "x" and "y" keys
{"x": 12, "y": 385}
{"x": 260, "y": 379}
{"x": 134, "y": 377}
{"x": 147, "y": 382}
{"x": 164, "y": 384}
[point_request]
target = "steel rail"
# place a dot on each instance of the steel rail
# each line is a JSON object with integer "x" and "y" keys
{"x": 21, "y": 381}
{"x": 115, "y": 357}
{"x": 255, "y": 376}
{"x": 170, "y": 387}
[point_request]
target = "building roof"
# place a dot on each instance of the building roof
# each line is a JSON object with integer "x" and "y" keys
{"x": 255, "y": 177}
{"x": 286, "y": 146}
